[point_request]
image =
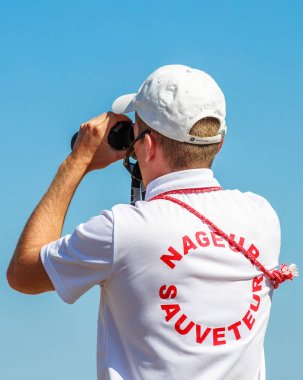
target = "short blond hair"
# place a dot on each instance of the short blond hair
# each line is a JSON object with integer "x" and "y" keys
{"x": 182, "y": 155}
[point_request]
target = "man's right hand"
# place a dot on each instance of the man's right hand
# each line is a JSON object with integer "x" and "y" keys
{"x": 91, "y": 147}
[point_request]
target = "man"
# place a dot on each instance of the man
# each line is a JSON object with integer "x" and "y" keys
{"x": 186, "y": 275}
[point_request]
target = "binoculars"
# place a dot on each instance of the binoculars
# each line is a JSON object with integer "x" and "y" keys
{"x": 120, "y": 136}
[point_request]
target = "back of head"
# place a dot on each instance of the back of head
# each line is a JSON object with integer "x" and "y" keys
{"x": 182, "y": 155}
{"x": 186, "y": 108}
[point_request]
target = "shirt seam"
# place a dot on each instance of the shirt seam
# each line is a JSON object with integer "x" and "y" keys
{"x": 113, "y": 252}
{"x": 58, "y": 284}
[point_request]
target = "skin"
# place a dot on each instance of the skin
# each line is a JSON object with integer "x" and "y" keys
{"x": 150, "y": 157}
{"x": 91, "y": 151}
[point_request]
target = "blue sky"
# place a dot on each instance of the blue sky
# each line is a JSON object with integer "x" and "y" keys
{"x": 63, "y": 62}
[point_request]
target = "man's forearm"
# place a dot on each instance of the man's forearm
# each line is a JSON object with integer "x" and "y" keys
{"x": 47, "y": 220}
{"x": 26, "y": 272}
{"x": 91, "y": 151}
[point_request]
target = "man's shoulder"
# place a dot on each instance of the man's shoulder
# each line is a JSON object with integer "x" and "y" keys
{"x": 256, "y": 203}
{"x": 233, "y": 202}
{"x": 248, "y": 196}
{"x": 258, "y": 200}
{"x": 127, "y": 210}
{"x": 235, "y": 194}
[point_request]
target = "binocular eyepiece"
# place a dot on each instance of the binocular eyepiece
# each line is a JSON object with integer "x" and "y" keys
{"x": 120, "y": 136}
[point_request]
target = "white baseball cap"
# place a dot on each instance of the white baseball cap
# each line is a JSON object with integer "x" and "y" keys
{"x": 172, "y": 99}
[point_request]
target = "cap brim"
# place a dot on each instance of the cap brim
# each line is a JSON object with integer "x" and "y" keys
{"x": 124, "y": 104}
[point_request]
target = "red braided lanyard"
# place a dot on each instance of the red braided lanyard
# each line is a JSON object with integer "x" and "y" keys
{"x": 276, "y": 276}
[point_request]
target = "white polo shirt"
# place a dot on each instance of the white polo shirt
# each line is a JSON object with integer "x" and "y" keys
{"x": 177, "y": 302}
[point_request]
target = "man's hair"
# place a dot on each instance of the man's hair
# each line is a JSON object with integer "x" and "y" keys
{"x": 181, "y": 155}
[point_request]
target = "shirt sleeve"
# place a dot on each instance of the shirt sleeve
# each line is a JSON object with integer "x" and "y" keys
{"x": 77, "y": 262}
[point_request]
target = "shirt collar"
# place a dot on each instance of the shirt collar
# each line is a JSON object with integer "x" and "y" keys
{"x": 181, "y": 180}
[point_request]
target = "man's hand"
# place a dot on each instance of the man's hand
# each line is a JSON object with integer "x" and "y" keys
{"x": 26, "y": 272}
{"x": 91, "y": 147}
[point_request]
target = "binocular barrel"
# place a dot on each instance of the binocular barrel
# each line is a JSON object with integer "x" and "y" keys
{"x": 120, "y": 136}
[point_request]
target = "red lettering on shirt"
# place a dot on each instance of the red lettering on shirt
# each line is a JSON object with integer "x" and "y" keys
{"x": 234, "y": 328}
{"x": 170, "y": 310}
{"x": 216, "y": 240}
{"x": 200, "y": 338}
{"x": 188, "y": 244}
{"x": 184, "y": 330}
{"x": 167, "y": 259}
{"x": 240, "y": 242}
{"x": 249, "y": 320}
{"x": 170, "y": 292}
{"x": 253, "y": 250}
{"x": 255, "y": 307}
{"x": 256, "y": 283}
{"x": 219, "y": 333}
{"x": 204, "y": 242}
{"x": 184, "y": 325}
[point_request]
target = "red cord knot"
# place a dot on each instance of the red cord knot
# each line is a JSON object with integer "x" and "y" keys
{"x": 284, "y": 273}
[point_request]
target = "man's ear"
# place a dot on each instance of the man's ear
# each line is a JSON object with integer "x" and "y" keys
{"x": 149, "y": 146}
{"x": 220, "y": 145}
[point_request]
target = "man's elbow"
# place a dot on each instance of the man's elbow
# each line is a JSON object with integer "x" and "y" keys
{"x": 14, "y": 280}
{"x": 10, "y": 276}
{"x": 20, "y": 281}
